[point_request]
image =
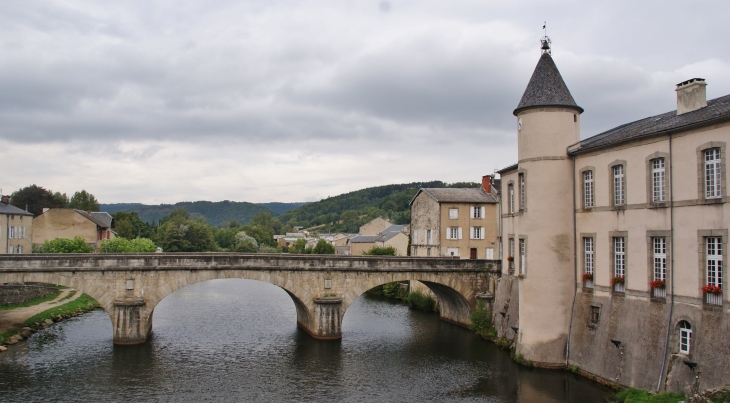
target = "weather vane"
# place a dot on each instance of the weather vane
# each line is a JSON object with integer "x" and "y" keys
{"x": 545, "y": 41}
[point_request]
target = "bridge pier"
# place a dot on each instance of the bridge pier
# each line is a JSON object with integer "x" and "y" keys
{"x": 131, "y": 326}
{"x": 327, "y": 323}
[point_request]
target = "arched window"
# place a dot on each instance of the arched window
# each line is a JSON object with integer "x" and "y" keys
{"x": 685, "y": 337}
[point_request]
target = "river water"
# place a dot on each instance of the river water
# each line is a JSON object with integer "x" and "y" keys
{"x": 237, "y": 340}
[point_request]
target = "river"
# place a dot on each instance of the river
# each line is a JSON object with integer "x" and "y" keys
{"x": 237, "y": 340}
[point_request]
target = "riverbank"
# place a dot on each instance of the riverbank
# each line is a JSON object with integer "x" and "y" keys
{"x": 20, "y": 323}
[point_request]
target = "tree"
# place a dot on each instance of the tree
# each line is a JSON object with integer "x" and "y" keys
{"x": 130, "y": 226}
{"x": 323, "y": 248}
{"x": 299, "y": 246}
{"x": 123, "y": 245}
{"x": 36, "y": 198}
{"x": 65, "y": 245}
{"x": 84, "y": 200}
{"x": 244, "y": 243}
{"x": 263, "y": 235}
{"x": 179, "y": 234}
{"x": 380, "y": 251}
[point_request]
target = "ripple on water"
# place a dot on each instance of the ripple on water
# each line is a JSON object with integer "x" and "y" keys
{"x": 236, "y": 340}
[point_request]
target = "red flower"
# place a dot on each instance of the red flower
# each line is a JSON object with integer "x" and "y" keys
{"x": 712, "y": 289}
{"x": 657, "y": 284}
{"x": 587, "y": 276}
{"x": 510, "y": 258}
{"x": 617, "y": 280}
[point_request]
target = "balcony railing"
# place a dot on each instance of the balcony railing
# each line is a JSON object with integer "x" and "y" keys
{"x": 713, "y": 299}
{"x": 659, "y": 293}
{"x": 620, "y": 287}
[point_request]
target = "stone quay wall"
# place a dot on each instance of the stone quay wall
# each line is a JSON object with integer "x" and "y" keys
{"x": 13, "y": 294}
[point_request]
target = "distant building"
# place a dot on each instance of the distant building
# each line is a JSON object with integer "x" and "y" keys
{"x": 392, "y": 236}
{"x": 375, "y": 226}
{"x": 16, "y": 228}
{"x": 456, "y": 222}
{"x": 93, "y": 227}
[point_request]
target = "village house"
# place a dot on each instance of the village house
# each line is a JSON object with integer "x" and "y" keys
{"x": 393, "y": 236}
{"x": 455, "y": 222}
{"x": 615, "y": 246}
{"x": 16, "y": 228}
{"x": 93, "y": 227}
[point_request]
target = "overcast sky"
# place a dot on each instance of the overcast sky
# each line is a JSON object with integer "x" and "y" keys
{"x": 167, "y": 101}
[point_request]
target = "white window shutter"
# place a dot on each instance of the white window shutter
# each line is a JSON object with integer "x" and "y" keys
{"x": 482, "y": 214}
{"x": 459, "y": 232}
{"x": 414, "y": 239}
{"x": 448, "y": 233}
{"x": 471, "y": 232}
{"x": 481, "y": 233}
{"x": 471, "y": 212}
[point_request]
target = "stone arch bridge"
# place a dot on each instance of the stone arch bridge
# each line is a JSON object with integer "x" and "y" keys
{"x": 129, "y": 286}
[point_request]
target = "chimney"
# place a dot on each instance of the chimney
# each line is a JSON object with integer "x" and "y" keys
{"x": 487, "y": 183}
{"x": 6, "y": 199}
{"x": 88, "y": 212}
{"x": 691, "y": 95}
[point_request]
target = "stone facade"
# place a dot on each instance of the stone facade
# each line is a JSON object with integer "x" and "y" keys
{"x": 69, "y": 223}
{"x": 322, "y": 287}
{"x": 16, "y": 229}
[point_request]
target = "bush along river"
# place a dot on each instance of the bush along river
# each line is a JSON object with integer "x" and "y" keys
{"x": 237, "y": 340}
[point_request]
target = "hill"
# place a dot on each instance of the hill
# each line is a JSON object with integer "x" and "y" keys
{"x": 346, "y": 212}
{"x": 215, "y": 213}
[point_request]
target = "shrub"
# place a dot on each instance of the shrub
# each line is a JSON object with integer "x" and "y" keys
{"x": 323, "y": 248}
{"x": 420, "y": 301}
{"x": 632, "y": 395}
{"x": 390, "y": 290}
{"x": 380, "y": 251}
{"x": 123, "y": 245}
{"x": 481, "y": 321}
{"x": 65, "y": 245}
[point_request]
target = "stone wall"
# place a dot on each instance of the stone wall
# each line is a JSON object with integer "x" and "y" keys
{"x": 12, "y": 294}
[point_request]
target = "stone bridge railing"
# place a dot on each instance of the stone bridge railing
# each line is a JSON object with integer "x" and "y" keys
{"x": 129, "y": 286}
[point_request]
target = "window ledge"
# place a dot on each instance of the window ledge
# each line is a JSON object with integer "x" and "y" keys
{"x": 621, "y": 207}
{"x": 663, "y": 204}
{"x": 658, "y": 300}
{"x": 588, "y": 290}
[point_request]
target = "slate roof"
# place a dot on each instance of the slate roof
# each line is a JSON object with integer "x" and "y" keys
{"x": 507, "y": 169}
{"x": 382, "y": 237}
{"x": 457, "y": 195}
{"x": 546, "y": 88}
{"x": 103, "y": 220}
{"x": 717, "y": 110}
{"x": 10, "y": 209}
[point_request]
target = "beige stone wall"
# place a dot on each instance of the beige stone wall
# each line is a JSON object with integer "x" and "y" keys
{"x": 488, "y": 223}
{"x": 16, "y": 221}
{"x": 399, "y": 242}
{"x": 374, "y": 227}
{"x": 359, "y": 248}
{"x": 63, "y": 223}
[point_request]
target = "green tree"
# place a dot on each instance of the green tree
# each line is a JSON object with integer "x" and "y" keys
{"x": 84, "y": 200}
{"x": 264, "y": 235}
{"x": 323, "y": 248}
{"x": 36, "y": 198}
{"x": 65, "y": 245}
{"x": 264, "y": 219}
{"x": 299, "y": 246}
{"x": 244, "y": 243}
{"x": 380, "y": 251}
{"x": 180, "y": 234}
{"x": 130, "y": 226}
{"x": 123, "y": 245}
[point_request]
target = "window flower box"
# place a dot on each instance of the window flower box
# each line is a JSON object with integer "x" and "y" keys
{"x": 617, "y": 280}
{"x": 657, "y": 284}
{"x": 712, "y": 289}
{"x": 587, "y": 276}
{"x": 510, "y": 258}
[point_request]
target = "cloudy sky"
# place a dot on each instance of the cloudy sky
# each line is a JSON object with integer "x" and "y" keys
{"x": 162, "y": 101}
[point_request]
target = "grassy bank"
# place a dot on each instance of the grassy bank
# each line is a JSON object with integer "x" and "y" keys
{"x": 82, "y": 304}
{"x": 415, "y": 299}
{"x": 632, "y": 395}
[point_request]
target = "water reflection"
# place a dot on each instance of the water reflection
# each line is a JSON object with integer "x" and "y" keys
{"x": 236, "y": 340}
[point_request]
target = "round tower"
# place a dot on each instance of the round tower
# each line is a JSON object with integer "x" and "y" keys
{"x": 548, "y": 121}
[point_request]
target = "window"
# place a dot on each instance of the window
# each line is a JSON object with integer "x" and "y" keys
{"x": 619, "y": 194}
{"x": 453, "y": 213}
{"x": 713, "y": 259}
{"x": 477, "y": 233}
{"x": 511, "y": 256}
{"x": 523, "y": 257}
{"x": 713, "y": 184}
{"x": 523, "y": 204}
{"x": 453, "y": 251}
{"x": 619, "y": 264}
{"x": 477, "y": 212}
{"x": 490, "y": 253}
{"x": 429, "y": 238}
{"x": 595, "y": 315}
{"x": 20, "y": 249}
{"x": 453, "y": 233}
{"x": 21, "y": 232}
{"x": 660, "y": 258}
{"x": 11, "y": 249}
{"x": 428, "y": 252}
{"x": 588, "y": 257}
{"x": 685, "y": 337}
{"x": 657, "y": 180}
{"x": 511, "y": 197}
{"x": 588, "y": 189}
{"x": 11, "y": 232}
{"x": 20, "y": 218}
{"x": 414, "y": 238}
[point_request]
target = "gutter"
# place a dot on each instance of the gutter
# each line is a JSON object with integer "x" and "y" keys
{"x": 671, "y": 269}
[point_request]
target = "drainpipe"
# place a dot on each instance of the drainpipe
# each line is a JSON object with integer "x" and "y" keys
{"x": 671, "y": 269}
{"x": 575, "y": 268}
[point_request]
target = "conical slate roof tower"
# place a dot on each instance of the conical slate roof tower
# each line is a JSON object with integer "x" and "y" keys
{"x": 546, "y": 87}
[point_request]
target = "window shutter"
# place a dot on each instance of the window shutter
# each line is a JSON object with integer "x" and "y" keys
{"x": 448, "y": 233}
{"x": 471, "y": 232}
{"x": 459, "y": 232}
{"x": 482, "y": 214}
{"x": 414, "y": 239}
{"x": 471, "y": 212}
{"x": 481, "y": 233}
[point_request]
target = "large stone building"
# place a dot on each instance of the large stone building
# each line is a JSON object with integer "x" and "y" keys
{"x": 93, "y": 227}
{"x": 16, "y": 228}
{"x": 458, "y": 222}
{"x": 615, "y": 247}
